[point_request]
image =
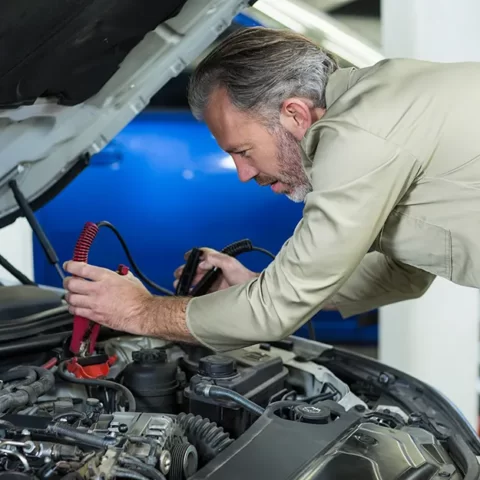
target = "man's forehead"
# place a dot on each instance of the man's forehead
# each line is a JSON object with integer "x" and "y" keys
{"x": 221, "y": 110}
{"x": 229, "y": 126}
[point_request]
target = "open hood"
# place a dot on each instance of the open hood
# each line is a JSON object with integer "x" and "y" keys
{"x": 73, "y": 73}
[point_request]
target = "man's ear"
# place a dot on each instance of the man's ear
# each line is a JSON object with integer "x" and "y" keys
{"x": 296, "y": 117}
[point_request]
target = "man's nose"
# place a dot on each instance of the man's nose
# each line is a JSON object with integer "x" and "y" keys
{"x": 245, "y": 171}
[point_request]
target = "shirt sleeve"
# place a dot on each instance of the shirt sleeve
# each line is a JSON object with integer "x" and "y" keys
{"x": 379, "y": 281}
{"x": 357, "y": 179}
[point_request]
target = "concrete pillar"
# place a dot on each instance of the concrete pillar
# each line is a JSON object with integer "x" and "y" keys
{"x": 16, "y": 245}
{"x": 435, "y": 338}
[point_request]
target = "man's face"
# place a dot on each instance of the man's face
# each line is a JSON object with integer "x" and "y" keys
{"x": 271, "y": 158}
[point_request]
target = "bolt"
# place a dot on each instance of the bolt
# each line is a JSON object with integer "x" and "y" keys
{"x": 360, "y": 408}
{"x": 384, "y": 378}
{"x": 123, "y": 428}
{"x": 443, "y": 474}
{"x": 365, "y": 439}
{"x": 29, "y": 447}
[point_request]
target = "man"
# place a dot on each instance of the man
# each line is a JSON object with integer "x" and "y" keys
{"x": 386, "y": 159}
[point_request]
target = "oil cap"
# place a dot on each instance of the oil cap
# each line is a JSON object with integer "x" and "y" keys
{"x": 217, "y": 366}
{"x": 312, "y": 414}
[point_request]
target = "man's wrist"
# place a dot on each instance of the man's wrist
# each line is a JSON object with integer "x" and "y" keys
{"x": 166, "y": 317}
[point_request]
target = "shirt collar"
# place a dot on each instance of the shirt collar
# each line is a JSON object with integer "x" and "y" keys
{"x": 338, "y": 83}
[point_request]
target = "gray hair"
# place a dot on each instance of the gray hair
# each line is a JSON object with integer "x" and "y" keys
{"x": 260, "y": 68}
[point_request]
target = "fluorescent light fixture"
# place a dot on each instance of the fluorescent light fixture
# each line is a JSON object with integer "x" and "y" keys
{"x": 301, "y": 17}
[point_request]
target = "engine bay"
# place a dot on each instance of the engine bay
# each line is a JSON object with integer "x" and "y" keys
{"x": 145, "y": 409}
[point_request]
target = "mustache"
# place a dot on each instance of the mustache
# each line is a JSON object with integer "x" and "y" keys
{"x": 264, "y": 180}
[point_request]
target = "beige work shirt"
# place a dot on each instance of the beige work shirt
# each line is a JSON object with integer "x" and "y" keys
{"x": 395, "y": 169}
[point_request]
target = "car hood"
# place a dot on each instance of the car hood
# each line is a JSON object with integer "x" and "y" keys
{"x": 73, "y": 73}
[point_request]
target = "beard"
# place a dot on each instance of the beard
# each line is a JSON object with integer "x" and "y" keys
{"x": 292, "y": 172}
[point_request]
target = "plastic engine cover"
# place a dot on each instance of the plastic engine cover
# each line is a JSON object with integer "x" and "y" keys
{"x": 342, "y": 449}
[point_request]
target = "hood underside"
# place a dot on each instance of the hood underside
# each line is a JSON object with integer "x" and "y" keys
{"x": 73, "y": 73}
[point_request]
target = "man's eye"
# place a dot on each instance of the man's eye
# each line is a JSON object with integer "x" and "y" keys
{"x": 243, "y": 153}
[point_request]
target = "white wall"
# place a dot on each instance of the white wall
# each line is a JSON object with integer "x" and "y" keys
{"x": 435, "y": 338}
{"x": 16, "y": 245}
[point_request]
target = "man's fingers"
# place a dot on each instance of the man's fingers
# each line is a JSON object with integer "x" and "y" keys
{"x": 205, "y": 265}
{"x": 82, "y": 312}
{"x": 199, "y": 275}
{"x": 208, "y": 261}
{"x": 78, "y": 285}
{"x": 203, "y": 252}
{"x": 178, "y": 272}
{"x": 85, "y": 270}
{"x": 75, "y": 300}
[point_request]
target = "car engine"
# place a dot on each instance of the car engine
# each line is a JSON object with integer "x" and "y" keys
{"x": 146, "y": 409}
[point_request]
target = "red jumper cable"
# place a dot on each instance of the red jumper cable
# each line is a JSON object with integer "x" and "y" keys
{"x": 85, "y": 332}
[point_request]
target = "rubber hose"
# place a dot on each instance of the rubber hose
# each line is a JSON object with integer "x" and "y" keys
{"x": 6, "y": 424}
{"x": 86, "y": 438}
{"x": 132, "y": 404}
{"x": 213, "y": 391}
{"x": 205, "y": 436}
{"x": 146, "y": 470}
{"x": 45, "y": 377}
{"x": 25, "y": 374}
{"x": 124, "y": 473}
{"x": 29, "y": 393}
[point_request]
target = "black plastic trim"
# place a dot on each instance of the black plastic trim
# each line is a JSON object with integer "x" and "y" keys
{"x": 464, "y": 457}
{"x": 35, "y": 344}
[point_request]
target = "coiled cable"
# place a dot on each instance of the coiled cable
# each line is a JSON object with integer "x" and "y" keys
{"x": 85, "y": 241}
{"x": 233, "y": 250}
{"x": 90, "y": 231}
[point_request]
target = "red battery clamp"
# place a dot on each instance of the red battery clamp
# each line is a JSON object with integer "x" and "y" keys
{"x": 85, "y": 332}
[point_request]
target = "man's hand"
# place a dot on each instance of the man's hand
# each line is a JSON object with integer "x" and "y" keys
{"x": 105, "y": 297}
{"x": 233, "y": 272}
